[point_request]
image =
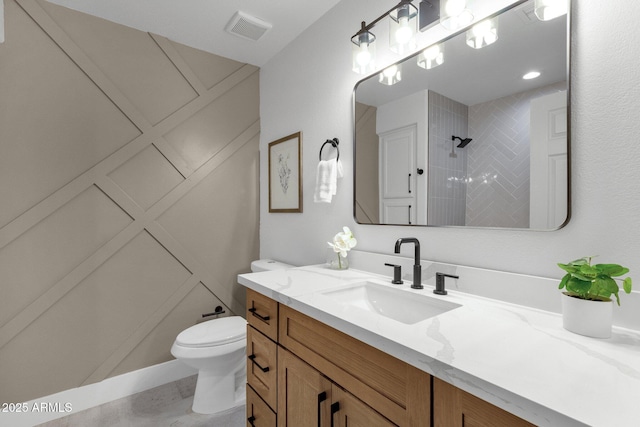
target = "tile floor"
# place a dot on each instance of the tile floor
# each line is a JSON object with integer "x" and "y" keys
{"x": 167, "y": 405}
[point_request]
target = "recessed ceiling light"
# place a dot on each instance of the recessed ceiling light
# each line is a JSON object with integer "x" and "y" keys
{"x": 531, "y": 75}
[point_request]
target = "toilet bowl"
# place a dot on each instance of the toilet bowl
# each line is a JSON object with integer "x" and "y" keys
{"x": 215, "y": 348}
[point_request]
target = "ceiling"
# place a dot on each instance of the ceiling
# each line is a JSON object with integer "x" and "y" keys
{"x": 201, "y": 23}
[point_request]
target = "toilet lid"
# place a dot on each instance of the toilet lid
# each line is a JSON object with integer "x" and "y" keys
{"x": 214, "y": 332}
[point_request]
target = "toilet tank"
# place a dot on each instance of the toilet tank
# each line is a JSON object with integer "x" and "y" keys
{"x": 267, "y": 265}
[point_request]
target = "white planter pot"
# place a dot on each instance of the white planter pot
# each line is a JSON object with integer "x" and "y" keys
{"x": 589, "y": 318}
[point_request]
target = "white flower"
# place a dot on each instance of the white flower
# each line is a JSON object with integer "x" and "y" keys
{"x": 343, "y": 242}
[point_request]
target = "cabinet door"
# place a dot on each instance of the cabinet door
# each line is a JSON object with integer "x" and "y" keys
{"x": 351, "y": 412}
{"x": 453, "y": 407}
{"x": 304, "y": 395}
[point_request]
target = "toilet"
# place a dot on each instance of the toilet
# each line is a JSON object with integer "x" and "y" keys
{"x": 217, "y": 349}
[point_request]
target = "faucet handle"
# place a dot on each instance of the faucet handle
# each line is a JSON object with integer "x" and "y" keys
{"x": 439, "y": 290}
{"x": 397, "y": 273}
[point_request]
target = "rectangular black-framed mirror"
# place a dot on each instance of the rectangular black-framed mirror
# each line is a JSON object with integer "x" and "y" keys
{"x": 470, "y": 142}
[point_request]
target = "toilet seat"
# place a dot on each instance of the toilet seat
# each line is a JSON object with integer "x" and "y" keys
{"x": 214, "y": 332}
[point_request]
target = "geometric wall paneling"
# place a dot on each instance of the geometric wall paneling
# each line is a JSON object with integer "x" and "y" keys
{"x": 44, "y": 131}
{"x": 99, "y": 313}
{"x": 147, "y": 177}
{"x": 221, "y": 121}
{"x": 45, "y": 253}
{"x": 153, "y": 349}
{"x": 130, "y": 59}
{"x": 224, "y": 200}
{"x": 210, "y": 69}
{"x": 98, "y": 280}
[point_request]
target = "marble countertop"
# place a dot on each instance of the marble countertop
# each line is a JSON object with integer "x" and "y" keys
{"x": 517, "y": 358}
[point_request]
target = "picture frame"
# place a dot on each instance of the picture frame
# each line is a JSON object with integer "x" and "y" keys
{"x": 285, "y": 174}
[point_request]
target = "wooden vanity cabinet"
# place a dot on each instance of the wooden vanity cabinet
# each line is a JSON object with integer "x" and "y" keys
{"x": 317, "y": 376}
{"x": 457, "y": 408}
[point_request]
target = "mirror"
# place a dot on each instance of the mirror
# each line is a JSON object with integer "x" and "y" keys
{"x": 470, "y": 142}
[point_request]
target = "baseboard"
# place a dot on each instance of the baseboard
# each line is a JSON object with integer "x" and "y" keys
{"x": 74, "y": 400}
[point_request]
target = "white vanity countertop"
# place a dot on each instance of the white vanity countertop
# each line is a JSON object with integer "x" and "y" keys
{"x": 517, "y": 358}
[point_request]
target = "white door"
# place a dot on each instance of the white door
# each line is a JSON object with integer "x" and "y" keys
{"x": 397, "y": 176}
{"x": 549, "y": 165}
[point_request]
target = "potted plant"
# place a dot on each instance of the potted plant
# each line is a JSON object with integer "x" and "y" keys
{"x": 587, "y": 306}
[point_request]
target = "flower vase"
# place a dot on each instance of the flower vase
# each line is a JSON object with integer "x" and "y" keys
{"x": 338, "y": 262}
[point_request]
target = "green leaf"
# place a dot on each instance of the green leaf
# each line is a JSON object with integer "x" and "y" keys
{"x": 564, "y": 281}
{"x": 588, "y": 271}
{"x": 613, "y": 270}
{"x": 604, "y": 286}
{"x": 568, "y": 268}
{"x": 580, "y": 287}
{"x": 626, "y": 284}
{"x": 582, "y": 277}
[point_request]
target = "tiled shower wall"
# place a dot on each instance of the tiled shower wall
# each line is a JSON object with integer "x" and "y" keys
{"x": 498, "y": 160}
{"x": 447, "y": 165}
{"x": 128, "y": 195}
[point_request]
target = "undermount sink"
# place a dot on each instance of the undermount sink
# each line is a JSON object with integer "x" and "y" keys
{"x": 393, "y": 303}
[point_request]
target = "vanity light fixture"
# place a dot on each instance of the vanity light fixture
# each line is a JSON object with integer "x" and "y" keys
{"x": 454, "y": 14}
{"x": 403, "y": 25}
{"x": 390, "y": 75}
{"x": 483, "y": 33}
{"x": 402, "y": 28}
{"x": 363, "y": 51}
{"x": 431, "y": 57}
{"x": 547, "y": 10}
{"x": 531, "y": 75}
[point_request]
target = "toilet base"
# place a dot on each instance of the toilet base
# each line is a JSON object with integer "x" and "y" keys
{"x": 217, "y": 394}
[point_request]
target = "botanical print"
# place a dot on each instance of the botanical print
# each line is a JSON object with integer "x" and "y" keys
{"x": 284, "y": 172}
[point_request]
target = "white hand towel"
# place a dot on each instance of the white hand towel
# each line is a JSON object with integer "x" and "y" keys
{"x": 327, "y": 176}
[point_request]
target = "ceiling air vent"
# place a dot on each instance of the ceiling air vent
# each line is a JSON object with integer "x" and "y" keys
{"x": 247, "y": 26}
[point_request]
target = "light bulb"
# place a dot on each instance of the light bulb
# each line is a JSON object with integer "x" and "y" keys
{"x": 547, "y": 10}
{"x": 363, "y": 57}
{"x": 390, "y": 71}
{"x": 455, "y": 7}
{"x": 483, "y": 33}
{"x": 404, "y": 32}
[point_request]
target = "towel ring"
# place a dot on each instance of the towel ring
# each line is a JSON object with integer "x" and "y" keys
{"x": 334, "y": 142}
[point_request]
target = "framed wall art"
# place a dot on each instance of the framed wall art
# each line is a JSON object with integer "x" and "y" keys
{"x": 285, "y": 174}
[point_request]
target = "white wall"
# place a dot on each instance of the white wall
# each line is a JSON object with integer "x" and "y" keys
{"x": 308, "y": 87}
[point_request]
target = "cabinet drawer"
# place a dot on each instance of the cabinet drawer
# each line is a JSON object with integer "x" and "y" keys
{"x": 258, "y": 413}
{"x": 396, "y": 389}
{"x": 262, "y": 314}
{"x": 262, "y": 365}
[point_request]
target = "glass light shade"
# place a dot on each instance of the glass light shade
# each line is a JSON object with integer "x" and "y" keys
{"x": 454, "y": 14}
{"x": 483, "y": 33}
{"x": 431, "y": 57}
{"x": 403, "y": 27}
{"x": 390, "y": 75}
{"x": 546, "y": 10}
{"x": 363, "y": 53}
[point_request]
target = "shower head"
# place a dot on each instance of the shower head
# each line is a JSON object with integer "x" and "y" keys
{"x": 463, "y": 142}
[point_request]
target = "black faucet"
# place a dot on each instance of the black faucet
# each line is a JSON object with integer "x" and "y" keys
{"x": 440, "y": 283}
{"x": 417, "y": 268}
